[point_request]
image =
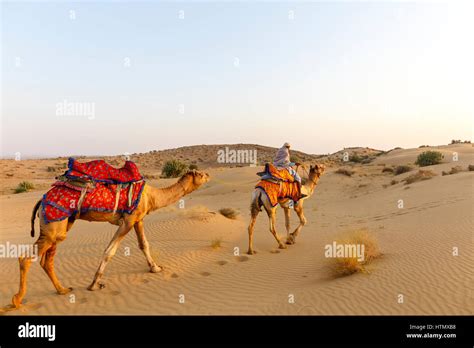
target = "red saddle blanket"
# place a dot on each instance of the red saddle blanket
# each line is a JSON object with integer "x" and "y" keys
{"x": 101, "y": 171}
{"x": 61, "y": 201}
{"x": 274, "y": 191}
{"x": 111, "y": 190}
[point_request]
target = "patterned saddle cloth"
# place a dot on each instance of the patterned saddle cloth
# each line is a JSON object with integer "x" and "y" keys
{"x": 278, "y": 183}
{"x": 93, "y": 186}
{"x": 101, "y": 171}
{"x": 272, "y": 173}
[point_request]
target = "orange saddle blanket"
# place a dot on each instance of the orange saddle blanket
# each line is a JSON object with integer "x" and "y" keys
{"x": 280, "y": 184}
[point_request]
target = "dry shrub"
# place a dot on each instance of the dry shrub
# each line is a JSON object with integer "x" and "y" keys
{"x": 402, "y": 169}
{"x": 345, "y": 171}
{"x": 454, "y": 170}
{"x": 229, "y": 213}
{"x": 343, "y": 266}
{"x": 387, "y": 170}
{"x": 419, "y": 176}
{"x": 24, "y": 186}
{"x": 394, "y": 182}
{"x": 471, "y": 167}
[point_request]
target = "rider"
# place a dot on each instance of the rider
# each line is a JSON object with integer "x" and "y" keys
{"x": 282, "y": 161}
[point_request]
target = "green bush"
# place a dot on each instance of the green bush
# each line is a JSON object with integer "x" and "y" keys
{"x": 355, "y": 158}
{"x": 173, "y": 169}
{"x": 429, "y": 158}
{"x": 193, "y": 166}
{"x": 24, "y": 186}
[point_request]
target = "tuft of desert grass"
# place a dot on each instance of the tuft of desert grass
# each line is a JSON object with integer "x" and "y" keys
{"x": 216, "y": 243}
{"x": 343, "y": 266}
{"x": 24, "y": 186}
{"x": 419, "y": 176}
{"x": 345, "y": 171}
{"x": 454, "y": 170}
{"x": 387, "y": 170}
{"x": 229, "y": 213}
{"x": 401, "y": 169}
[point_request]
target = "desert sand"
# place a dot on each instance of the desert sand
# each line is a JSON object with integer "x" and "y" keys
{"x": 416, "y": 242}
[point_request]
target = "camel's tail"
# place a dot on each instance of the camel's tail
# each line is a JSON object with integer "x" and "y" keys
{"x": 33, "y": 217}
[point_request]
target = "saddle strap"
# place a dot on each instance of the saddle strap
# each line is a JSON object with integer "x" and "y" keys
{"x": 131, "y": 188}
{"x": 117, "y": 197}
{"x": 81, "y": 199}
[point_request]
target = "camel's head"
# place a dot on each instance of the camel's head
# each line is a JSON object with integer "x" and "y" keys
{"x": 316, "y": 171}
{"x": 198, "y": 178}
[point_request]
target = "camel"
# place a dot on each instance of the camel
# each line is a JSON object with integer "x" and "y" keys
{"x": 259, "y": 199}
{"x": 51, "y": 234}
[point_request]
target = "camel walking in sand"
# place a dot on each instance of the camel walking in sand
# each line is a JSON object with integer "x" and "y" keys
{"x": 259, "y": 199}
{"x": 51, "y": 234}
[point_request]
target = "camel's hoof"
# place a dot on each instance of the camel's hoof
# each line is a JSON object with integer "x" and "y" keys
{"x": 96, "y": 286}
{"x": 290, "y": 241}
{"x": 156, "y": 269}
{"x": 64, "y": 291}
{"x": 251, "y": 252}
{"x": 16, "y": 301}
{"x": 282, "y": 246}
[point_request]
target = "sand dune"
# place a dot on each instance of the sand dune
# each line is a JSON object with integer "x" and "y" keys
{"x": 416, "y": 242}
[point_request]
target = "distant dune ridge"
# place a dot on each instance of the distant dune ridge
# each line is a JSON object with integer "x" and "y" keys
{"x": 423, "y": 229}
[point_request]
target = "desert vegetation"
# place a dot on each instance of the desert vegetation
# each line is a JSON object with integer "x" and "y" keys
{"x": 429, "y": 158}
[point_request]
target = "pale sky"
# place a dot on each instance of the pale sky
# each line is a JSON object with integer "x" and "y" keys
{"x": 321, "y": 75}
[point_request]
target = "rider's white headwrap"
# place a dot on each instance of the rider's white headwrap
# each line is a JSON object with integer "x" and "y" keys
{"x": 282, "y": 158}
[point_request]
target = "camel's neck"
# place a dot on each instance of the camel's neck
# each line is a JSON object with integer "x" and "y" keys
{"x": 162, "y": 197}
{"x": 311, "y": 185}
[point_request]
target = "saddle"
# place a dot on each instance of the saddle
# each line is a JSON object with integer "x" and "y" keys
{"x": 93, "y": 185}
{"x": 278, "y": 183}
{"x": 275, "y": 175}
{"x": 101, "y": 171}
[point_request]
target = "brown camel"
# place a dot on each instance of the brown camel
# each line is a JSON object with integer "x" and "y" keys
{"x": 55, "y": 232}
{"x": 259, "y": 199}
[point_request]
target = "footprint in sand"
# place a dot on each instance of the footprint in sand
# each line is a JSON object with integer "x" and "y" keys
{"x": 174, "y": 275}
{"x": 222, "y": 263}
{"x": 275, "y": 251}
{"x": 115, "y": 293}
{"x": 82, "y": 300}
{"x": 205, "y": 274}
{"x": 30, "y": 307}
{"x": 242, "y": 258}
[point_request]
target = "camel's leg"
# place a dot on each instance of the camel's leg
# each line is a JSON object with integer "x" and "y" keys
{"x": 251, "y": 227}
{"x": 145, "y": 247}
{"x": 254, "y": 211}
{"x": 25, "y": 262}
{"x": 286, "y": 210}
{"x": 109, "y": 253}
{"x": 48, "y": 265}
{"x": 299, "y": 211}
{"x": 272, "y": 220}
